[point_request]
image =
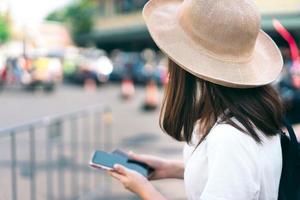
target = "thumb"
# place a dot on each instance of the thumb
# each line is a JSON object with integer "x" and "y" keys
{"x": 120, "y": 169}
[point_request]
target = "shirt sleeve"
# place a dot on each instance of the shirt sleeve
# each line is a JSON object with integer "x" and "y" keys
{"x": 233, "y": 172}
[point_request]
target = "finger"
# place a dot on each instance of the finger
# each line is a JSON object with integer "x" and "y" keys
{"x": 132, "y": 154}
{"x": 116, "y": 175}
{"x": 110, "y": 171}
{"x": 137, "y": 157}
{"x": 120, "y": 169}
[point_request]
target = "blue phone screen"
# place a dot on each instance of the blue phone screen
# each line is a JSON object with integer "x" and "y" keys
{"x": 109, "y": 160}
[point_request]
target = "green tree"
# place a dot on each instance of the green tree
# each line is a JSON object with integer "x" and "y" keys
{"x": 79, "y": 16}
{"x": 58, "y": 16}
{"x": 4, "y": 30}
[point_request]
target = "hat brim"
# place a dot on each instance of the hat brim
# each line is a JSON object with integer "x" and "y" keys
{"x": 263, "y": 68}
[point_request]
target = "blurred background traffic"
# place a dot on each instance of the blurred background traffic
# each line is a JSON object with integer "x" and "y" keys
{"x": 89, "y": 68}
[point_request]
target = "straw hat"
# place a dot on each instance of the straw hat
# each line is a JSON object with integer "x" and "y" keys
{"x": 217, "y": 40}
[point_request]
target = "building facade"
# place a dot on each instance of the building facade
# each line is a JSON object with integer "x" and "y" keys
{"x": 119, "y": 23}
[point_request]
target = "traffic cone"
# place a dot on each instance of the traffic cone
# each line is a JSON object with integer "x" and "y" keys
{"x": 151, "y": 100}
{"x": 127, "y": 88}
{"x": 90, "y": 85}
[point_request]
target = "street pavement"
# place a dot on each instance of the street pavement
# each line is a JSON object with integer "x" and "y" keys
{"x": 132, "y": 129}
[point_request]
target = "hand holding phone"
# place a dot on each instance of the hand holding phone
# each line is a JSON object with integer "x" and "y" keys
{"x": 106, "y": 161}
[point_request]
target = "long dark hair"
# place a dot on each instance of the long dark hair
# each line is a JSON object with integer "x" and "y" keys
{"x": 189, "y": 99}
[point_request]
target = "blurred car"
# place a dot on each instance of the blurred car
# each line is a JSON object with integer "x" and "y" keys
{"x": 10, "y": 72}
{"x": 88, "y": 64}
{"x": 44, "y": 72}
{"x": 70, "y": 64}
{"x": 133, "y": 65}
{"x": 128, "y": 65}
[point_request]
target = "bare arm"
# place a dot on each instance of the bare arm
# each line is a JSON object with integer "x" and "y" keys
{"x": 151, "y": 194}
{"x": 163, "y": 168}
{"x": 176, "y": 169}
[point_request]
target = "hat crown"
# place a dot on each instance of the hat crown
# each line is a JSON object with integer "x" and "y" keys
{"x": 226, "y": 28}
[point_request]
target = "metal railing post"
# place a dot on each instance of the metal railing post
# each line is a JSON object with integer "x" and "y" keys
{"x": 107, "y": 140}
{"x": 61, "y": 160}
{"x": 97, "y": 139}
{"x": 74, "y": 150}
{"x": 32, "y": 164}
{"x": 14, "y": 166}
{"x": 91, "y": 145}
{"x": 86, "y": 141}
{"x": 49, "y": 166}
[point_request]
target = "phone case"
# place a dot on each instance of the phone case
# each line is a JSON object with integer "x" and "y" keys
{"x": 119, "y": 157}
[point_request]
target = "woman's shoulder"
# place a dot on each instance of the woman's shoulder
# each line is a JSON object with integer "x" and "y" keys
{"x": 227, "y": 134}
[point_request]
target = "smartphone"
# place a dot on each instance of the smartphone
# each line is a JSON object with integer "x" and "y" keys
{"x": 106, "y": 161}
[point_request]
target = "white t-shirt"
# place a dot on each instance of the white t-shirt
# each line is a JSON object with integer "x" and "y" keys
{"x": 230, "y": 165}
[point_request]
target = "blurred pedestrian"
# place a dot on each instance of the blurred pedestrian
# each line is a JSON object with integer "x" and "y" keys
{"x": 218, "y": 100}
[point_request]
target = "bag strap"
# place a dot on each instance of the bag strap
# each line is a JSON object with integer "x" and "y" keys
{"x": 291, "y": 131}
{"x": 290, "y": 169}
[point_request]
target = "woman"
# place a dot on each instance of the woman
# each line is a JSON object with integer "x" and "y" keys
{"x": 218, "y": 100}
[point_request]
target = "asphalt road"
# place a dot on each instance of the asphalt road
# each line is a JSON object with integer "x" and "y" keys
{"x": 132, "y": 129}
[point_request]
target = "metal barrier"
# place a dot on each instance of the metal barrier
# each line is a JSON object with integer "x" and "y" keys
{"x": 49, "y": 158}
